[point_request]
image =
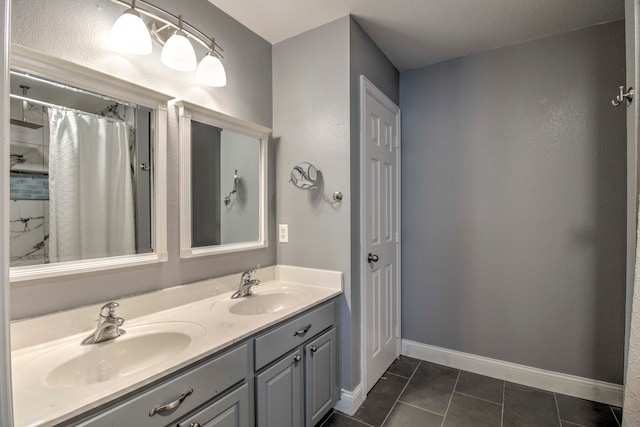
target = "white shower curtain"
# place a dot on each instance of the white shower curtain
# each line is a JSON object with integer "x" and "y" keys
{"x": 91, "y": 211}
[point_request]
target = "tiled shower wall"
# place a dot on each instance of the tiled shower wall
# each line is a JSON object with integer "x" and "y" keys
{"x": 29, "y": 186}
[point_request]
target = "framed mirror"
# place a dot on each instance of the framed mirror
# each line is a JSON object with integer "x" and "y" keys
{"x": 87, "y": 170}
{"x": 223, "y": 182}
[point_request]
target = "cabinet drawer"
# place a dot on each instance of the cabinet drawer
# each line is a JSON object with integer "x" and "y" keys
{"x": 293, "y": 333}
{"x": 231, "y": 410}
{"x": 206, "y": 381}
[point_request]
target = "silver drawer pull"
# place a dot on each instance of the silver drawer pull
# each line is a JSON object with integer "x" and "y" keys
{"x": 297, "y": 358}
{"x": 172, "y": 405}
{"x": 313, "y": 349}
{"x": 194, "y": 425}
{"x": 302, "y": 331}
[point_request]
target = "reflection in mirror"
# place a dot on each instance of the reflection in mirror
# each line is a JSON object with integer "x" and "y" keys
{"x": 86, "y": 170}
{"x": 225, "y": 203}
{"x": 223, "y": 183}
{"x": 76, "y": 192}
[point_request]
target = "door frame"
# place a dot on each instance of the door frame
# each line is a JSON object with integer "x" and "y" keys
{"x": 366, "y": 87}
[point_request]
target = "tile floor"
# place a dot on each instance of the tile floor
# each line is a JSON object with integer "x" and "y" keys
{"x": 422, "y": 394}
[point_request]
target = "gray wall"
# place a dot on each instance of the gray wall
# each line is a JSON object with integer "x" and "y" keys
{"x": 316, "y": 119}
{"x": 514, "y": 204}
{"x": 239, "y": 221}
{"x": 205, "y": 184}
{"x": 77, "y": 30}
{"x": 311, "y": 123}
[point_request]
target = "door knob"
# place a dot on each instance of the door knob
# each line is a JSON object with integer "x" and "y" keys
{"x": 372, "y": 258}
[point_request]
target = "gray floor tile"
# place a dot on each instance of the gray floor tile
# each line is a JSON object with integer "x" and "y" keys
{"x": 529, "y": 407}
{"x": 585, "y": 412}
{"x": 480, "y": 386}
{"x": 404, "y": 366}
{"x": 380, "y": 400}
{"x": 404, "y": 415}
{"x": 431, "y": 387}
{"x": 339, "y": 420}
{"x": 618, "y": 413}
{"x": 466, "y": 411}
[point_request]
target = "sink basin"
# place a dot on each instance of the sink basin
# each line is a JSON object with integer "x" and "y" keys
{"x": 266, "y": 303}
{"x": 73, "y": 365}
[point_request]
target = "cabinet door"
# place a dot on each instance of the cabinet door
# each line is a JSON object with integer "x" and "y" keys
{"x": 231, "y": 410}
{"x": 320, "y": 376}
{"x": 279, "y": 393}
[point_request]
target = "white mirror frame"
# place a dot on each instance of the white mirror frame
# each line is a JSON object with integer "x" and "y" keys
{"x": 61, "y": 71}
{"x": 186, "y": 113}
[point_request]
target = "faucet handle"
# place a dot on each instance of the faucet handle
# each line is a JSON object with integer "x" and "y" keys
{"x": 247, "y": 274}
{"x": 109, "y": 309}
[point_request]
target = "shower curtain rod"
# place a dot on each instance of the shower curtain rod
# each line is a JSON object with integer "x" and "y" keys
{"x": 71, "y": 88}
{"x": 50, "y": 105}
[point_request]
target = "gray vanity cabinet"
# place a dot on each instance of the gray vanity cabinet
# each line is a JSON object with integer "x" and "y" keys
{"x": 321, "y": 390}
{"x": 301, "y": 386}
{"x": 279, "y": 393}
{"x": 286, "y": 376}
{"x": 162, "y": 404}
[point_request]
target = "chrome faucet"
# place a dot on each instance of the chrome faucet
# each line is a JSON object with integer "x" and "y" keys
{"x": 245, "y": 285}
{"x": 108, "y": 325}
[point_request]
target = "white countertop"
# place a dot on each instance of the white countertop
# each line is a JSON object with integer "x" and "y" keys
{"x": 201, "y": 306}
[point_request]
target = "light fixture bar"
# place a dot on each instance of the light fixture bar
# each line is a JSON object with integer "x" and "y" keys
{"x": 172, "y": 20}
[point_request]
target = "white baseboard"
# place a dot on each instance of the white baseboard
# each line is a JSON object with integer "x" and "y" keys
{"x": 350, "y": 401}
{"x": 598, "y": 391}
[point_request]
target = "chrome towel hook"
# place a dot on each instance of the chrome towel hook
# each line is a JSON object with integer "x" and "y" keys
{"x": 622, "y": 96}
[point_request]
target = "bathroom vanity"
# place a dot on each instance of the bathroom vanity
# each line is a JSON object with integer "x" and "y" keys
{"x": 270, "y": 359}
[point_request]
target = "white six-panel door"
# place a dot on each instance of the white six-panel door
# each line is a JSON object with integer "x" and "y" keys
{"x": 380, "y": 204}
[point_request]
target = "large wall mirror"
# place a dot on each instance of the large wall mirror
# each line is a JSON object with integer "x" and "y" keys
{"x": 87, "y": 170}
{"x": 223, "y": 182}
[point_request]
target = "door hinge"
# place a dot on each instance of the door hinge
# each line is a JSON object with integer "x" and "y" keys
{"x": 397, "y": 237}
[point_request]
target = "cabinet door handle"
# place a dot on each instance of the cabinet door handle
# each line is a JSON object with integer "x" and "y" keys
{"x": 297, "y": 357}
{"x": 172, "y": 405}
{"x": 313, "y": 349}
{"x": 194, "y": 425}
{"x": 302, "y": 331}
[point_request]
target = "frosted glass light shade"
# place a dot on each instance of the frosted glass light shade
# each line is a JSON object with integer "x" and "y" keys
{"x": 211, "y": 72}
{"x": 178, "y": 53}
{"x": 129, "y": 34}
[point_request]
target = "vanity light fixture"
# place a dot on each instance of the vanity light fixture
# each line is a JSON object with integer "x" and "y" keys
{"x": 211, "y": 71}
{"x": 129, "y": 34}
{"x": 178, "y": 52}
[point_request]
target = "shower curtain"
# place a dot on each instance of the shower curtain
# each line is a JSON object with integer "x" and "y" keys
{"x": 91, "y": 211}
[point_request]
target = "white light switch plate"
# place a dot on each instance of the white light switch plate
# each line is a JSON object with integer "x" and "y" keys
{"x": 283, "y": 233}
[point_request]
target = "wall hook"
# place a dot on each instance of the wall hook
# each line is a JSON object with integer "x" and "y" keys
{"x": 622, "y": 96}
{"x": 234, "y": 190}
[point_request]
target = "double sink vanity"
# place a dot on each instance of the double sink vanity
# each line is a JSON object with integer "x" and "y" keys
{"x": 190, "y": 356}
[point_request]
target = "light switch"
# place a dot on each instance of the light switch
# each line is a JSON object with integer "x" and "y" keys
{"x": 283, "y": 233}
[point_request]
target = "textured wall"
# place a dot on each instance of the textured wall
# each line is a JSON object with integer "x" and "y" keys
{"x": 311, "y": 123}
{"x": 78, "y": 30}
{"x": 239, "y": 221}
{"x": 513, "y": 184}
